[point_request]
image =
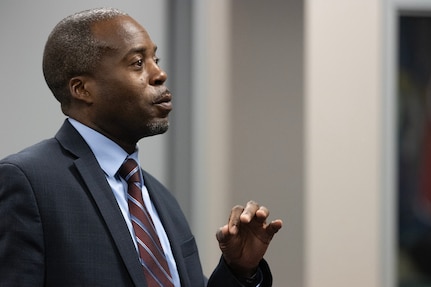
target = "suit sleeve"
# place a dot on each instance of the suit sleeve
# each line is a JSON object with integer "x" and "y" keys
{"x": 21, "y": 236}
{"x": 223, "y": 276}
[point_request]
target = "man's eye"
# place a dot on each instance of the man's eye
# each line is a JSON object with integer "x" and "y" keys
{"x": 156, "y": 60}
{"x": 139, "y": 63}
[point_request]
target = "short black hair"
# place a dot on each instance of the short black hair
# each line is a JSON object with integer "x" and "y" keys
{"x": 71, "y": 50}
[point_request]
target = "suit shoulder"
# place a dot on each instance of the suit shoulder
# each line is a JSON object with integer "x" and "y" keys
{"x": 40, "y": 152}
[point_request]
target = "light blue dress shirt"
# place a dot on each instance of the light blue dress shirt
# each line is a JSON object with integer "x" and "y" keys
{"x": 110, "y": 157}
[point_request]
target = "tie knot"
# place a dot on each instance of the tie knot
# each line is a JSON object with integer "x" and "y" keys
{"x": 129, "y": 171}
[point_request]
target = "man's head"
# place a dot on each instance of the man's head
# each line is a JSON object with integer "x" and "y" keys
{"x": 72, "y": 50}
{"x": 102, "y": 67}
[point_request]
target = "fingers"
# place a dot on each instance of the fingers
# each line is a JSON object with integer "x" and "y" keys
{"x": 234, "y": 219}
{"x": 252, "y": 210}
{"x": 222, "y": 234}
{"x": 240, "y": 214}
{"x": 249, "y": 211}
{"x": 274, "y": 227}
{"x": 262, "y": 214}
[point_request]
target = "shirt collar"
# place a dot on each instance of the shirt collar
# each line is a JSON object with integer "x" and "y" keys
{"x": 109, "y": 155}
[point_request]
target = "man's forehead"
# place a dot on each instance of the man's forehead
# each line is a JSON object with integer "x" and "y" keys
{"x": 121, "y": 30}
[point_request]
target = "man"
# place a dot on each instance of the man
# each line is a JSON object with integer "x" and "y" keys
{"x": 77, "y": 211}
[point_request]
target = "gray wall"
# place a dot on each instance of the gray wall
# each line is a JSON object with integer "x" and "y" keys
{"x": 267, "y": 121}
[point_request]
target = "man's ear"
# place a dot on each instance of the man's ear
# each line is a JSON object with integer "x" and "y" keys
{"x": 79, "y": 89}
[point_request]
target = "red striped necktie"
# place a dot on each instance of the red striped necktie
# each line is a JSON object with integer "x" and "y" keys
{"x": 151, "y": 254}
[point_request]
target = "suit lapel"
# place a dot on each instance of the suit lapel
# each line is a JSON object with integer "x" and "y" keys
{"x": 101, "y": 192}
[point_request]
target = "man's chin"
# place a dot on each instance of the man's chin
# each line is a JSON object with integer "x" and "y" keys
{"x": 157, "y": 128}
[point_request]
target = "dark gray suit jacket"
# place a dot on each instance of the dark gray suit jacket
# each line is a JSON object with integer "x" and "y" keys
{"x": 60, "y": 224}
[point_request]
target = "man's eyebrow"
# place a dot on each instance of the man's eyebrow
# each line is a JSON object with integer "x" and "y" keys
{"x": 141, "y": 50}
{"x": 138, "y": 50}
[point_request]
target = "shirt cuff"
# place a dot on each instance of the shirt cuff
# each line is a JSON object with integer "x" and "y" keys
{"x": 253, "y": 281}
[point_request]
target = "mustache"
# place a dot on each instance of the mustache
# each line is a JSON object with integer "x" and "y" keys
{"x": 164, "y": 96}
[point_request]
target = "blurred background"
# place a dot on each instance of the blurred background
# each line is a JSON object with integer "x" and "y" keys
{"x": 295, "y": 104}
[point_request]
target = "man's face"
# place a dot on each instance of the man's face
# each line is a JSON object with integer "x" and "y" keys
{"x": 130, "y": 100}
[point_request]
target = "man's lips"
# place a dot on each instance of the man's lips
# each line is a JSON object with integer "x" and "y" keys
{"x": 164, "y": 100}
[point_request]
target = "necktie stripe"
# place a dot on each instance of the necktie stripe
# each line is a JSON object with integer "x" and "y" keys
{"x": 143, "y": 245}
{"x": 146, "y": 220}
{"x": 130, "y": 174}
{"x": 153, "y": 276}
{"x": 136, "y": 202}
{"x": 151, "y": 255}
{"x": 136, "y": 206}
{"x": 155, "y": 254}
{"x": 145, "y": 229}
